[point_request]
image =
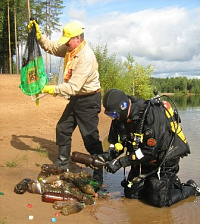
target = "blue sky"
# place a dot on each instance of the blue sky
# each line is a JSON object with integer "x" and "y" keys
{"x": 97, "y": 7}
{"x": 165, "y": 34}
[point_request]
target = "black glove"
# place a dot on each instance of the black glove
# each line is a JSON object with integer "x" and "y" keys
{"x": 113, "y": 166}
{"x": 111, "y": 154}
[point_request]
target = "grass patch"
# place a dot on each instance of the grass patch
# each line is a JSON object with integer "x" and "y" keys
{"x": 42, "y": 151}
{"x": 37, "y": 164}
{"x": 16, "y": 162}
{"x": 3, "y": 221}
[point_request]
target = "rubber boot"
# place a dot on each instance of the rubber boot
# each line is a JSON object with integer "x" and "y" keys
{"x": 98, "y": 175}
{"x": 193, "y": 184}
{"x": 63, "y": 158}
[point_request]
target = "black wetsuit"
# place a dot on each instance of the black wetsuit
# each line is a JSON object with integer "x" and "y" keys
{"x": 156, "y": 156}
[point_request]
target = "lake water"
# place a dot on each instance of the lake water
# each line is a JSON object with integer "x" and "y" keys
{"x": 185, "y": 212}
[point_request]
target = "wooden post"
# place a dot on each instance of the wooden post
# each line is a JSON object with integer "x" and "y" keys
{"x": 49, "y": 34}
{"x": 29, "y": 11}
{"x": 46, "y": 36}
{"x": 16, "y": 46}
{"x": 10, "y": 62}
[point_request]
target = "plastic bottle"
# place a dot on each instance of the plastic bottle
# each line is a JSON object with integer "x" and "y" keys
{"x": 51, "y": 197}
{"x": 84, "y": 187}
{"x": 22, "y": 186}
{"x": 98, "y": 162}
{"x": 73, "y": 208}
{"x": 35, "y": 187}
{"x": 88, "y": 160}
{"x": 51, "y": 179}
{"x": 58, "y": 205}
{"x": 80, "y": 195}
{"x": 51, "y": 169}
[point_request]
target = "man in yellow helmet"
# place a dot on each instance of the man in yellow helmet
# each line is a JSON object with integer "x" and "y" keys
{"x": 81, "y": 86}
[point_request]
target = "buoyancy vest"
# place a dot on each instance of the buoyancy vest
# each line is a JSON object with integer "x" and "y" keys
{"x": 156, "y": 131}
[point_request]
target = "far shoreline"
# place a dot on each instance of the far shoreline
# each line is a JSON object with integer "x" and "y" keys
{"x": 168, "y": 94}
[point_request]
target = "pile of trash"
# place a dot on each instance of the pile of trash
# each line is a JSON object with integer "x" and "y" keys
{"x": 69, "y": 192}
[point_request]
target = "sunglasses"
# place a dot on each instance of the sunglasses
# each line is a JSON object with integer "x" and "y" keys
{"x": 113, "y": 115}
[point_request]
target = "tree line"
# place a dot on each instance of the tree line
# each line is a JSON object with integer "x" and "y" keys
{"x": 177, "y": 85}
{"x": 14, "y": 19}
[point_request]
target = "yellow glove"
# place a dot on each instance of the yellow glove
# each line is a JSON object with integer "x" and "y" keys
{"x": 49, "y": 89}
{"x": 37, "y": 28}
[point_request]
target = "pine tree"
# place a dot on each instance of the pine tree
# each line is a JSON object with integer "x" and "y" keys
{"x": 48, "y": 22}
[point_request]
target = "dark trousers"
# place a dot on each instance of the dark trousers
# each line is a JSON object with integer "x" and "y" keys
{"x": 82, "y": 111}
{"x": 158, "y": 192}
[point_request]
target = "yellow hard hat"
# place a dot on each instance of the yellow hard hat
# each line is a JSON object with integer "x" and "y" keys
{"x": 70, "y": 30}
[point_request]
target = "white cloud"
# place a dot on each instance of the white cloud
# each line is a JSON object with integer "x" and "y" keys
{"x": 168, "y": 39}
{"x": 76, "y": 14}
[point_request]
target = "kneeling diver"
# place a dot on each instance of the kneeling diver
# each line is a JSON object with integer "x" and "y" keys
{"x": 154, "y": 142}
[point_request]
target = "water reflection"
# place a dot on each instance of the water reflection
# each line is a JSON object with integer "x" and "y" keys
{"x": 183, "y": 102}
{"x": 190, "y": 165}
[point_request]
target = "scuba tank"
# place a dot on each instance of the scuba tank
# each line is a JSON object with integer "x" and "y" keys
{"x": 174, "y": 120}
